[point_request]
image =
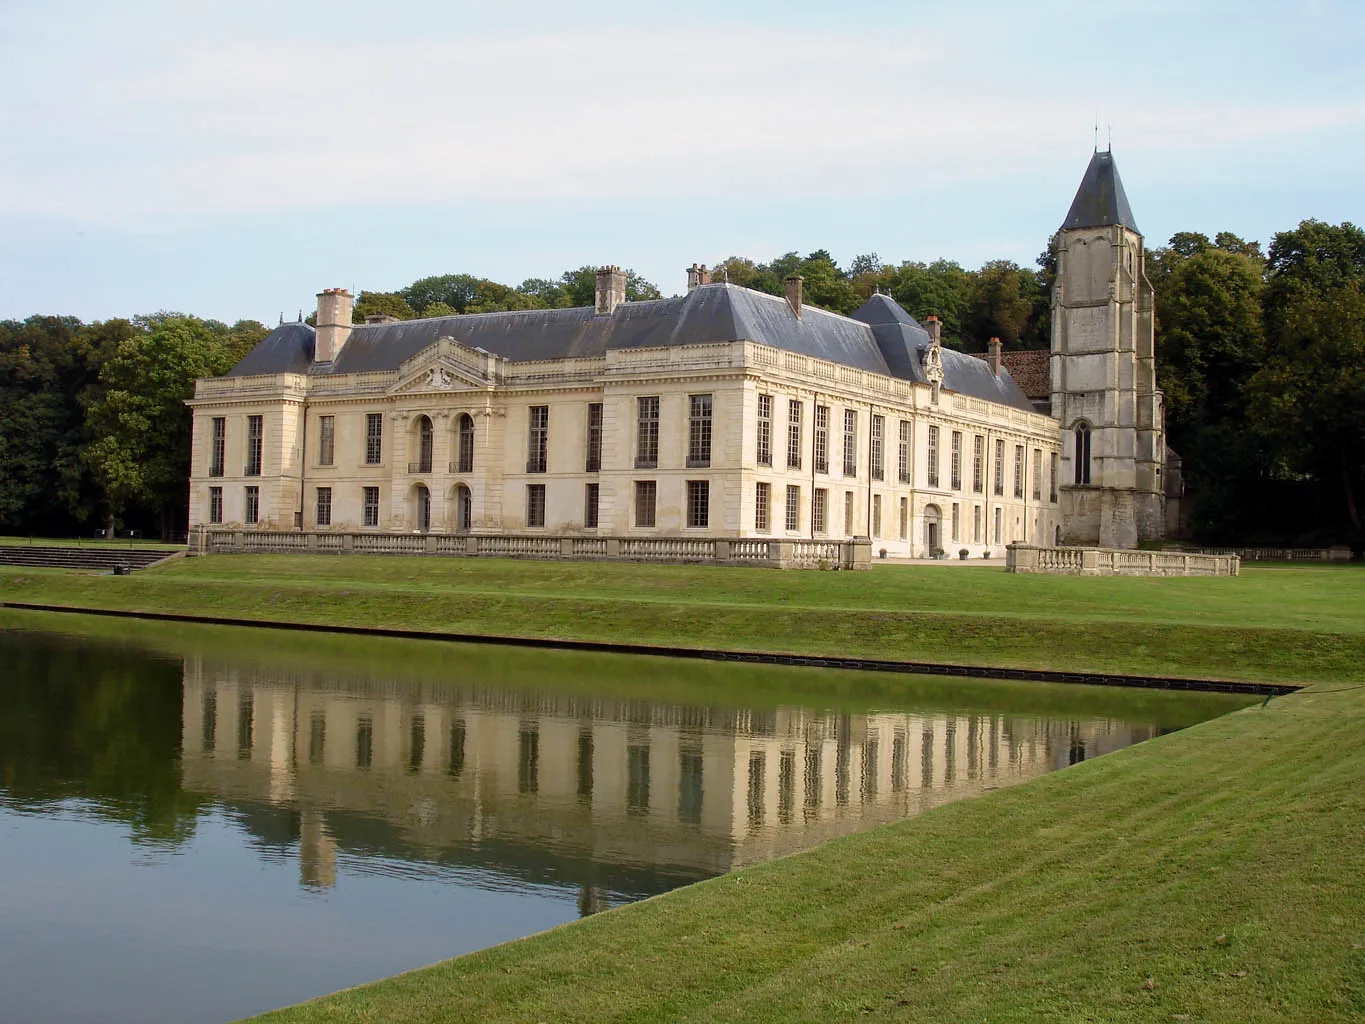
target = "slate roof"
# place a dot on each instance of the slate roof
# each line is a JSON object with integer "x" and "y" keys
{"x": 879, "y": 337}
{"x": 1100, "y": 201}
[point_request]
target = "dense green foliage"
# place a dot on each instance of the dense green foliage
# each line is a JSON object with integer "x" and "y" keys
{"x": 1262, "y": 360}
{"x": 1261, "y": 357}
{"x": 93, "y": 427}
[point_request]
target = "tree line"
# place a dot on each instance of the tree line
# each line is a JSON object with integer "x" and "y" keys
{"x": 1261, "y": 355}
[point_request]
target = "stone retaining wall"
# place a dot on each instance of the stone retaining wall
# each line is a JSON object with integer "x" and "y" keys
{"x": 778, "y": 554}
{"x": 1076, "y": 561}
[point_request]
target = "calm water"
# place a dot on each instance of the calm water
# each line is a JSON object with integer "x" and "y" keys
{"x": 197, "y": 825}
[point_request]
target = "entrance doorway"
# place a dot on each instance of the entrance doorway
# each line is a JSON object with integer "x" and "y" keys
{"x": 423, "y": 509}
{"x": 932, "y": 531}
{"x": 464, "y": 509}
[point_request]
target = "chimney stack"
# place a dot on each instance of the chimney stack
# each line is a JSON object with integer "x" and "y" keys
{"x": 793, "y": 283}
{"x": 932, "y": 325}
{"x": 993, "y": 348}
{"x": 693, "y": 276}
{"x": 335, "y": 306}
{"x": 611, "y": 290}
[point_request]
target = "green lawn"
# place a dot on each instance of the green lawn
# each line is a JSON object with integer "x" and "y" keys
{"x": 1283, "y": 623}
{"x": 1212, "y": 874}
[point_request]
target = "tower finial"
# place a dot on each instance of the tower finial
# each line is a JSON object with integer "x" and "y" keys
{"x": 1097, "y": 132}
{"x": 1109, "y": 136}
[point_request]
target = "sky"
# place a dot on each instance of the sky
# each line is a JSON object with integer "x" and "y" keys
{"x": 231, "y": 160}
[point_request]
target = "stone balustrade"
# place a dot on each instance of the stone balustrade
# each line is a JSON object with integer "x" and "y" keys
{"x": 1076, "y": 561}
{"x": 778, "y": 554}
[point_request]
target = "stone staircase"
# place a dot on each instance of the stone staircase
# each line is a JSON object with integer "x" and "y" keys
{"x": 96, "y": 558}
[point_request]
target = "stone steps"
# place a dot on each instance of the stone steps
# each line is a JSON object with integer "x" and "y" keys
{"x": 89, "y": 558}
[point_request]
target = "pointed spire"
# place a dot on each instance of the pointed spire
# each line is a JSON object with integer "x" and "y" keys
{"x": 1100, "y": 201}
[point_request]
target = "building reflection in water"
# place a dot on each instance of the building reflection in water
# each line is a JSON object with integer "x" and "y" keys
{"x": 609, "y": 796}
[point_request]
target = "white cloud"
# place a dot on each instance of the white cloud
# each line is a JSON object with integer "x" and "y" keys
{"x": 693, "y": 111}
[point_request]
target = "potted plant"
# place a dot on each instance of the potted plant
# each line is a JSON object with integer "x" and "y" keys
{"x": 963, "y": 553}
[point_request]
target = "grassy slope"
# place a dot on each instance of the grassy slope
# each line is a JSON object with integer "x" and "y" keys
{"x": 1208, "y": 875}
{"x": 1283, "y": 623}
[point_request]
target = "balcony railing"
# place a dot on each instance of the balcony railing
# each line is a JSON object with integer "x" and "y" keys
{"x": 421, "y": 466}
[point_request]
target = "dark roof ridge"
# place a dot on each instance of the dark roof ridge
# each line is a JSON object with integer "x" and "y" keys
{"x": 1100, "y": 201}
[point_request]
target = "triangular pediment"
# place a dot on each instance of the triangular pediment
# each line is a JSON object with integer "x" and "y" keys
{"x": 445, "y": 366}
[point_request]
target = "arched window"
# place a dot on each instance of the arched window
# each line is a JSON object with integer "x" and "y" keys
{"x": 425, "y": 444}
{"x": 466, "y": 461}
{"x": 1082, "y": 454}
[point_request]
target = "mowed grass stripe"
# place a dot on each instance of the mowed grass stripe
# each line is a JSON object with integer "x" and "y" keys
{"x": 1201, "y": 646}
{"x": 1211, "y": 873}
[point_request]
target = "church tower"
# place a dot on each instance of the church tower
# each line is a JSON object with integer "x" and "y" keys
{"x": 1104, "y": 371}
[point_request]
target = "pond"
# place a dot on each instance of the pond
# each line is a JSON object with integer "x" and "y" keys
{"x": 197, "y": 824}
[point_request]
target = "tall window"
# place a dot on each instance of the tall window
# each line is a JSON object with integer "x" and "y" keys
{"x": 999, "y": 524}
{"x": 255, "y": 437}
{"x": 538, "y": 439}
{"x": 762, "y": 496}
{"x": 793, "y": 507}
{"x": 637, "y": 779}
{"x": 850, "y": 442}
{"x": 822, "y": 439}
{"x": 793, "y": 434}
{"x": 327, "y": 434}
{"x": 698, "y": 504}
{"x": 1037, "y": 475}
{"x": 765, "y": 430}
{"x": 1018, "y": 470}
{"x": 324, "y": 506}
{"x": 848, "y": 513}
{"x": 978, "y": 463}
{"x": 594, "y": 464}
{"x": 253, "y": 506}
{"x": 933, "y": 456}
{"x": 957, "y": 521}
{"x": 956, "y": 479}
{"x": 976, "y": 524}
{"x": 999, "y": 466}
{"x": 466, "y": 449}
{"x": 1082, "y": 454}
{"x": 591, "y": 495}
{"x": 535, "y": 504}
{"x": 215, "y": 504}
{"x": 878, "y": 447}
{"x": 876, "y": 515}
{"x": 218, "y": 451}
{"x": 426, "y": 444}
{"x": 646, "y": 497}
{"x": 905, "y": 518}
{"x": 647, "y": 432}
{"x": 818, "y": 505}
{"x": 903, "y": 453}
{"x": 690, "y": 786}
{"x": 370, "y": 506}
{"x": 1053, "y": 458}
{"x": 374, "y": 438}
{"x": 699, "y": 431}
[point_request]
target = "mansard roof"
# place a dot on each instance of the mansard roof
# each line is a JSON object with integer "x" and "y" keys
{"x": 880, "y": 337}
{"x": 1100, "y": 201}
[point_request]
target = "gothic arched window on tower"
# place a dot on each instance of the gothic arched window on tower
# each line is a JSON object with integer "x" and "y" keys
{"x": 1082, "y": 454}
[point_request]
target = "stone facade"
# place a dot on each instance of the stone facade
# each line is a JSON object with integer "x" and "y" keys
{"x": 1104, "y": 391}
{"x": 737, "y": 434}
{"x": 722, "y": 414}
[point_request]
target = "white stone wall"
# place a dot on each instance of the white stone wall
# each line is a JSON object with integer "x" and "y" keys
{"x": 499, "y": 397}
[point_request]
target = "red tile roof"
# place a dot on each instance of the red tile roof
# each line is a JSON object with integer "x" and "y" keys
{"x": 1030, "y": 370}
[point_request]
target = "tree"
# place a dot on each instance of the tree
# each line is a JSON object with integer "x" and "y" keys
{"x": 49, "y": 367}
{"x": 1210, "y": 342}
{"x": 1308, "y": 399}
{"x": 938, "y": 289}
{"x": 458, "y": 291}
{"x": 140, "y": 452}
{"x": 1000, "y": 303}
{"x": 384, "y": 304}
